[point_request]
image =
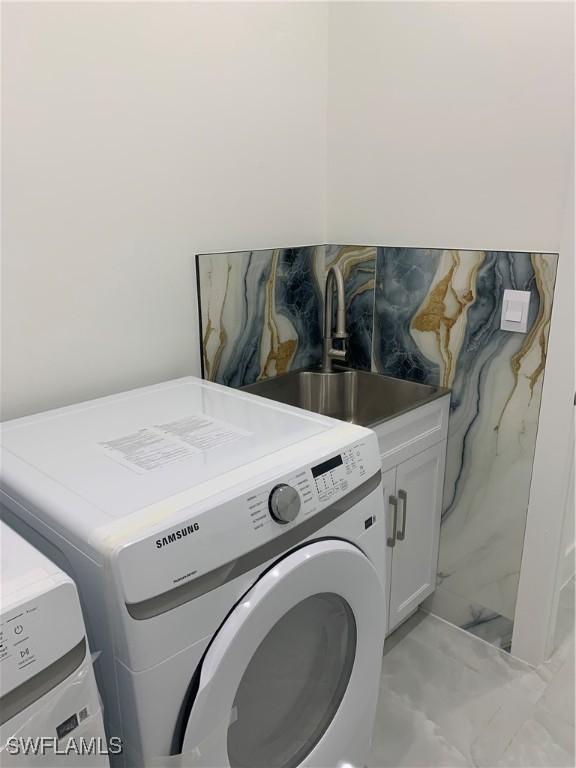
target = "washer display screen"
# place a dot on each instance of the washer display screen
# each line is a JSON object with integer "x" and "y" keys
{"x": 326, "y": 466}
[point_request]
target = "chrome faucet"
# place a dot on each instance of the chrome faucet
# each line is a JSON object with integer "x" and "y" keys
{"x": 329, "y": 354}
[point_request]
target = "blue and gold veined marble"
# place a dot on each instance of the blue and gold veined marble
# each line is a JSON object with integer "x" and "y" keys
{"x": 262, "y": 311}
{"x": 437, "y": 320}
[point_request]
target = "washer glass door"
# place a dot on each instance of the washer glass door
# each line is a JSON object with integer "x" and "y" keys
{"x": 294, "y": 666}
{"x": 293, "y": 684}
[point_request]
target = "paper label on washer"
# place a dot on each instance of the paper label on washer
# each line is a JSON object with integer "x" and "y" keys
{"x": 161, "y": 445}
{"x": 203, "y": 432}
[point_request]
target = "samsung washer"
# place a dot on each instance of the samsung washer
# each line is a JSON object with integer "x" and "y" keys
{"x": 229, "y": 553}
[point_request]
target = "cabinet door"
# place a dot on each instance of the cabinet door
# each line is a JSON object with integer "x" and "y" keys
{"x": 419, "y": 483}
{"x": 388, "y": 490}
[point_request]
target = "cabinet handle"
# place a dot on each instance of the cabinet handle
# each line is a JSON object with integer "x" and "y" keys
{"x": 403, "y": 496}
{"x": 393, "y": 501}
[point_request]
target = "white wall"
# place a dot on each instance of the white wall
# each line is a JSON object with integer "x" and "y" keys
{"x": 136, "y": 135}
{"x": 449, "y": 123}
{"x": 544, "y": 542}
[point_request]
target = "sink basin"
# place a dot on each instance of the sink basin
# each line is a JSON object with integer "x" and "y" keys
{"x": 359, "y": 397}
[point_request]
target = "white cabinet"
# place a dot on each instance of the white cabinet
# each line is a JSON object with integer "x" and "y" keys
{"x": 414, "y": 549}
{"x": 413, "y": 450}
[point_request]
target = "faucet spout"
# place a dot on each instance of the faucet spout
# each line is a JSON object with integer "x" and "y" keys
{"x": 334, "y": 278}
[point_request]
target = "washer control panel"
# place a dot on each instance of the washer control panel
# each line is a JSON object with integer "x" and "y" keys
{"x": 38, "y": 633}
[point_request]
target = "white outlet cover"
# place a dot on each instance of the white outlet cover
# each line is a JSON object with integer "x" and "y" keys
{"x": 515, "y": 306}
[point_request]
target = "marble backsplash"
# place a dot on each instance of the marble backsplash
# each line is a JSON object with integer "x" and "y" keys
{"x": 261, "y": 311}
{"x": 427, "y": 315}
{"x": 437, "y": 320}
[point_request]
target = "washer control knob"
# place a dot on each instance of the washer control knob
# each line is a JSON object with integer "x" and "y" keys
{"x": 284, "y": 503}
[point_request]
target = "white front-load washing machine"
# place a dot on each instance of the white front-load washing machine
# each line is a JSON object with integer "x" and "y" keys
{"x": 50, "y": 711}
{"x": 229, "y": 553}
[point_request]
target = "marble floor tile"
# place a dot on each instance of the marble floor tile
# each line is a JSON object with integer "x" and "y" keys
{"x": 539, "y": 743}
{"x": 494, "y": 739}
{"x": 410, "y": 738}
{"x": 447, "y": 698}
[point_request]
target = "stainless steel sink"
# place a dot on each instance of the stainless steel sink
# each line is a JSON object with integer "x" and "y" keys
{"x": 359, "y": 397}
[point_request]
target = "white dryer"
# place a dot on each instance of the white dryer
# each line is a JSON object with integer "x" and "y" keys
{"x": 229, "y": 552}
{"x": 49, "y": 706}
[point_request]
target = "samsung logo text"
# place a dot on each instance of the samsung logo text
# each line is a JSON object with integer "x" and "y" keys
{"x": 179, "y": 534}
